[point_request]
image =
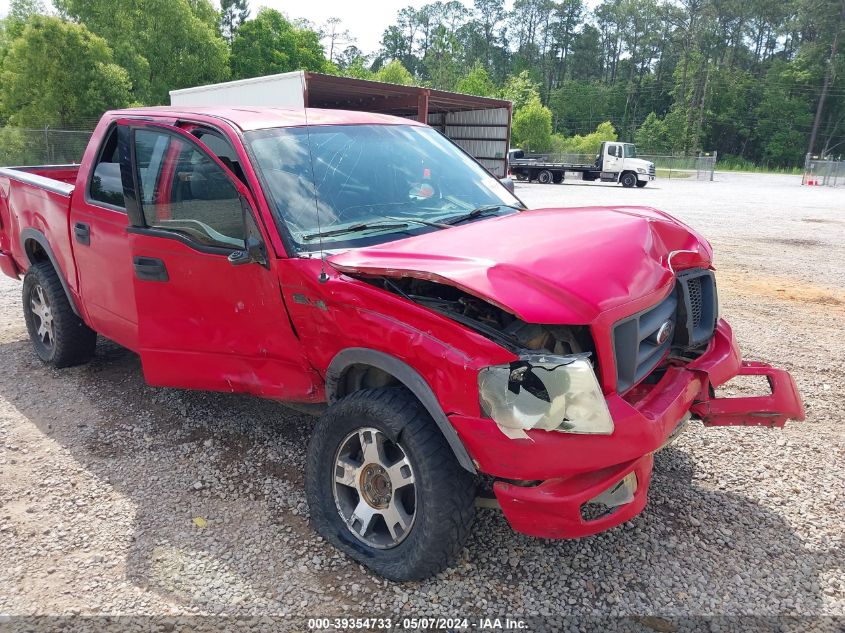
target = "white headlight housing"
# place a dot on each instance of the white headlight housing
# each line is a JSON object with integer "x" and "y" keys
{"x": 641, "y": 170}
{"x": 545, "y": 392}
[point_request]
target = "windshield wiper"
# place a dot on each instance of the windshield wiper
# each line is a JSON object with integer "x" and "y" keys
{"x": 479, "y": 212}
{"x": 355, "y": 228}
{"x": 400, "y": 223}
{"x": 439, "y": 225}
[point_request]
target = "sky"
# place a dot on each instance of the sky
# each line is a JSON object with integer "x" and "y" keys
{"x": 365, "y": 20}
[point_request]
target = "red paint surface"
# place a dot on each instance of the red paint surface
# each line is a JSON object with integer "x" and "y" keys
{"x": 273, "y": 331}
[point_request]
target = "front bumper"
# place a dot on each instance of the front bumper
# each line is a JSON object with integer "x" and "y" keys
{"x": 572, "y": 469}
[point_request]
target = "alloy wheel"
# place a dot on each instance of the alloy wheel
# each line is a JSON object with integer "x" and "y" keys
{"x": 43, "y": 314}
{"x": 374, "y": 488}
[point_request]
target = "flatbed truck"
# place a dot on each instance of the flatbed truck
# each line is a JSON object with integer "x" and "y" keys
{"x": 615, "y": 162}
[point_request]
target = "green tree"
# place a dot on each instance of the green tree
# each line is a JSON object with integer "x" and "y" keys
{"x": 442, "y": 63}
{"x": 163, "y": 44}
{"x": 60, "y": 74}
{"x": 585, "y": 59}
{"x": 532, "y": 127}
{"x": 784, "y": 116}
{"x": 19, "y": 12}
{"x": 353, "y": 63}
{"x": 477, "y": 82}
{"x": 652, "y": 135}
{"x": 520, "y": 90}
{"x": 207, "y": 14}
{"x": 394, "y": 45}
{"x": 588, "y": 144}
{"x": 270, "y": 44}
{"x": 4, "y": 39}
{"x": 338, "y": 38}
{"x": 233, "y": 13}
{"x": 395, "y": 73}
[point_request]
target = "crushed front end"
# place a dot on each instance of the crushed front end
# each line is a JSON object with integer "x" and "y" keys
{"x": 569, "y": 439}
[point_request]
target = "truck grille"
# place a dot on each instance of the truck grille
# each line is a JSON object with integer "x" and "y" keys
{"x": 694, "y": 286}
{"x": 682, "y": 322}
{"x": 651, "y": 170}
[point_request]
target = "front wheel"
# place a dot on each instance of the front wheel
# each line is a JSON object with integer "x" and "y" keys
{"x": 628, "y": 179}
{"x": 642, "y": 183}
{"x": 384, "y": 487}
{"x": 59, "y": 336}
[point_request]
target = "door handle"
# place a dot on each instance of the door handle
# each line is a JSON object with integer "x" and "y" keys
{"x": 82, "y": 232}
{"x": 150, "y": 269}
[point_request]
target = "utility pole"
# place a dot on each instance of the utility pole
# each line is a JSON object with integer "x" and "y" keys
{"x": 828, "y": 76}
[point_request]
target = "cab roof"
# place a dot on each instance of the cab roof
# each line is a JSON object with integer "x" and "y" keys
{"x": 258, "y": 118}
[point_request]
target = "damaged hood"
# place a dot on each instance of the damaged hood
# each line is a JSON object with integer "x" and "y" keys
{"x": 545, "y": 265}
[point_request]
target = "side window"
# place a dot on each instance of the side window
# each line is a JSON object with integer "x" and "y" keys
{"x": 183, "y": 190}
{"x": 611, "y": 150}
{"x": 221, "y": 148}
{"x": 106, "y": 185}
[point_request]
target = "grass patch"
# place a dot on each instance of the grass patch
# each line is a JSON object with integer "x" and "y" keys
{"x": 735, "y": 163}
{"x": 673, "y": 173}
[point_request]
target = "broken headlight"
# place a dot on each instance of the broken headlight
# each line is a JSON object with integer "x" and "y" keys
{"x": 547, "y": 392}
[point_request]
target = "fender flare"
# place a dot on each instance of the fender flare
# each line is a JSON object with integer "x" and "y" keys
{"x": 37, "y": 236}
{"x": 406, "y": 375}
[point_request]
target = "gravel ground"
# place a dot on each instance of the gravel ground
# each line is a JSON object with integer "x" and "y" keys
{"x": 118, "y": 498}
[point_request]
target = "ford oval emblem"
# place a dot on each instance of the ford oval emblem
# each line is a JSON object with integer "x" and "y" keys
{"x": 664, "y": 332}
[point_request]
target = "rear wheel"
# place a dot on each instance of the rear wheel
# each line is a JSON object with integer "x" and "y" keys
{"x": 545, "y": 177}
{"x": 59, "y": 336}
{"x": 384, "y": 487}
{"x": 628, "y": 179}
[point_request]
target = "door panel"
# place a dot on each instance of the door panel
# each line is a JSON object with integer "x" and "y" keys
{"x": 105, "y": 274}
{"x": 612, "y": 162}
{"x": 211, "y": 325}
{"x": 204, "y": 323}
{"x": 101, "y": 249}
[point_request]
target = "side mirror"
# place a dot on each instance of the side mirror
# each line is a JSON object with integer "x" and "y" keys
{"x": 508, "y": 183}
{"x": 254, "y": 251}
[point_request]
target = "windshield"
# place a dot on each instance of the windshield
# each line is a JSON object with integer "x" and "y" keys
{"x": 368, "y": 174}
{"x": 630, "y": 150}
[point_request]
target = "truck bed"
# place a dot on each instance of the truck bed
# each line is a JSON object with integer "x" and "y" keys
{"x": 65, "y": 174}
{"x": 35, "y": 202}
{"x": 537, "y": 164}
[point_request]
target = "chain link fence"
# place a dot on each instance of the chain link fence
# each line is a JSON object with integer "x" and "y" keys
{"x": 44, "y": 146}
{"x": 700, "y": 166}
{"x": 823, "y": 171}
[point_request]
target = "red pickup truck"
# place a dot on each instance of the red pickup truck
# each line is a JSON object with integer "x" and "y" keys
{"x": 455, "y": 343}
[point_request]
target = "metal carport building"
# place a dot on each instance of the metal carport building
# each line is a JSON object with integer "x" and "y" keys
{"x": 480, "y": 125}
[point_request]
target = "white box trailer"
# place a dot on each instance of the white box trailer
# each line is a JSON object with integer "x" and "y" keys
{"x": 480, "y": 125}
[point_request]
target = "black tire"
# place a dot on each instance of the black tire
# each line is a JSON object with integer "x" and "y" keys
{"x": 69, "y": 341}
{"x": 545, "y": 177}
{"x": 558, "y": 177}
{"x": 628, "y": 179}
{"x": 642, "y": 183}
{"x": 444, "y": 493}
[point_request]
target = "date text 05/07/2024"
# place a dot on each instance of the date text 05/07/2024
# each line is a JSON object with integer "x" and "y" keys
{"x": 418, "y": 624}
